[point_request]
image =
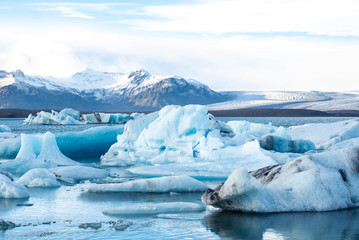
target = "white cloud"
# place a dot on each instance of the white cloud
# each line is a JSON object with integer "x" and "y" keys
{"x": 69, "y": 12}
{"x": 328, "y": 17}
{"x": 246, "y": 63}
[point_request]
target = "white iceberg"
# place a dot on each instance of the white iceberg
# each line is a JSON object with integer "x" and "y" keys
{"x": 119, "y": 118}
{"x": 37, "y": 151}
{"x": 65, "y": 117}
{"x": 10, "y": 189}
{"x": 155, "y": 209}
{"x": 322, "y": 181}
{"x": 153, "y": 185}
{"x": 78, "y": 173}
{"x": 4, "y": 128}
{"x": 39, "y": 177}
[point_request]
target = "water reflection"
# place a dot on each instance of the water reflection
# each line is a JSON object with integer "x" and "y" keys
{"x": 310, "y": 226}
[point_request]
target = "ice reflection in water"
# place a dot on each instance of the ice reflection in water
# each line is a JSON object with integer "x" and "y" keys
{"x": 307, "y": 225}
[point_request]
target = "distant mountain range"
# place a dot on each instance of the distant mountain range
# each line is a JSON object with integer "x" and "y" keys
{"x": 102, "y": 91}
{"x": 140, "y": 91}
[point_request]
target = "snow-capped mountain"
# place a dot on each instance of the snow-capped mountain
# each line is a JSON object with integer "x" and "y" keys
{"x": 92, "y": 90}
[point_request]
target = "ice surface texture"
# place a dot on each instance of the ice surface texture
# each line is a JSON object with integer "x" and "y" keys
{"x": 4, "y": 128}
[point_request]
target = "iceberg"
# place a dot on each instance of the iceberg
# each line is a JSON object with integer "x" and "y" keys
{"x": 69, "y": 116}
{"x": 171, "y": 135}
{"x": 279, "y": 144}
{"x": 64, "y": 117}
{"x": 155, "y": 209}
{"x": 38, "y": 177}
{"x": 37, "y": 151}
{"x": 4, "y": 128}
{"x": 90, "y": 143}
{"x": 153, "y": 185}
{"x": 10, "y": 189}
{"x": 322, "y": 181}
{"x": 75, "y": 174}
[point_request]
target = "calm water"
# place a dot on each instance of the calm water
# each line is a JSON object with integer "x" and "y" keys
{"x": 68, "y": 206}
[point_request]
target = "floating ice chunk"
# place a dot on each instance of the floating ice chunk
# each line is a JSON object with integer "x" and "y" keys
{"x": 38, "y": 177}
{"x": 279, "y": 144}
{"x": 154, "y": 209}
{"x": 118, "y": 118}
{"x": 317, "y": 182}
{"x": 155, "y": 185}
{"x": 91, "y": 118}
{"x": 78, "y": 173}
{"x": 324, "y": 135}
{"x": 9, "y": 144}
{"x": 37, "y": 151}
{"x": 4, "y": 128}
{"x": 10, "y": 189}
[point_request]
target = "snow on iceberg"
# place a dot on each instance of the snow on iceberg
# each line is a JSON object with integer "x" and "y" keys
{"x": 323, "y": 181}
{"x": 39, "y": 177}
{"x": 65, "y": 117}
{"x": 37, "y": 151}
{"x": 75, "y": 174}
{"x": 153, "y": 185}
{"x": 155, "y": 209}
{"x": 10, "y": 189}
{"x": 4, "y": 128}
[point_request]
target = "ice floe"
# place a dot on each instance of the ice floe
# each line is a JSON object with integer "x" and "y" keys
{"x": 153, "y": 185}
{"x": 154, "y": 209}
{"x": 39, "y": 177}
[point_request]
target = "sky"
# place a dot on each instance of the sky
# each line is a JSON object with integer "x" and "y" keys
{"x": 227, "y": 44}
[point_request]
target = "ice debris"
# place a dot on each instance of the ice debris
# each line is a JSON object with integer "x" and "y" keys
{"x": 155, "y": 209}
{"x": 39, "y": 177}
{"x": 153, "y": 185}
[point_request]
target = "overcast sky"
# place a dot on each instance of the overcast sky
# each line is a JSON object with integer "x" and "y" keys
{"x": 226, "y": 44}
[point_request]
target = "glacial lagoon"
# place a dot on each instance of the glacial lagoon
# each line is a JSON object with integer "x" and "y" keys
{"x": 56, "y": 213}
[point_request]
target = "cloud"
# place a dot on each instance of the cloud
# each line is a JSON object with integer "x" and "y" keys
{"x": 323, "y": 17}
{"x": 76, "y": 10}
{"x": 235, "y": 63}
